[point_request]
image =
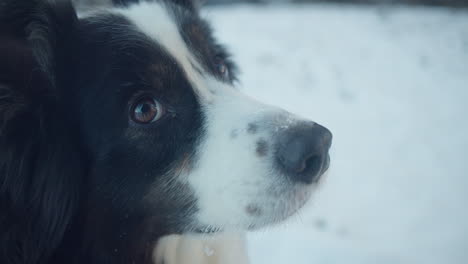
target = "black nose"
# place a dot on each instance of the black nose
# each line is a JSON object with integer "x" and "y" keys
{"x": 302, "y": 151}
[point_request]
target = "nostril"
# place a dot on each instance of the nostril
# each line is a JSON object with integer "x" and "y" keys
{"x": 312, "y": 165}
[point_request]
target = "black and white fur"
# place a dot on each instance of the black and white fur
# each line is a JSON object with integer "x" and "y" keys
{"x": 82, "y": 182}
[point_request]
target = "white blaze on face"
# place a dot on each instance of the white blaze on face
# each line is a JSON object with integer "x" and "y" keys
{"x": 155, "y": 20}
{"x": 234, "y": 178}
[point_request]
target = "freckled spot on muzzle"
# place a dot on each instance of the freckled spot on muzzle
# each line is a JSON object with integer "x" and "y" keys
{"x": 262, "y": 148}
{"x": 252, "y": 128}
{"x": 253, "y": 210}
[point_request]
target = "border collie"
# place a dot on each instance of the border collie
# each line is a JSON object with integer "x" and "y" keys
{"x": 123, "y": 125}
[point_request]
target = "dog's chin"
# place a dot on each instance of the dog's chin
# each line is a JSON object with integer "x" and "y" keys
{"x": 273, "y": 204}
{"x": 288, "y": 207}
{"x": 284, "y": 207}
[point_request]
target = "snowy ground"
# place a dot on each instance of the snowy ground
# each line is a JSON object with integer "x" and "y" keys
{"x": 392, "y": 85}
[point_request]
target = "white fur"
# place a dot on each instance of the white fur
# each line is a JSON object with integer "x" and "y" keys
{"x": 154, "y": 19}
{"x": 229, "y": 177}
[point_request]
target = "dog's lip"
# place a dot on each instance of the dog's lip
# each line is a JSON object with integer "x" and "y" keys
{"x": 207, "y": 230}
{"x": 290, "y": 210}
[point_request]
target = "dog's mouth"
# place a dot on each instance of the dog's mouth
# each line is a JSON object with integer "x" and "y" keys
{"x": 280, "y": 202}
{"x": 278, "y": 209}
{"x": 207, "y": 230}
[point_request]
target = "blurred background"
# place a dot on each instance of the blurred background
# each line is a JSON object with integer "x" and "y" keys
{"x": 390, "y": 79}
{"x": 453, "y": 3}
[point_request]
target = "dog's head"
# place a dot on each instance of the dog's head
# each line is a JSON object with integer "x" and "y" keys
{"x": 144, "y": 99}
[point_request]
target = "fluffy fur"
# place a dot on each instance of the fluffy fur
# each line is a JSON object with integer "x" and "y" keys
{"x": 82, "y": 181}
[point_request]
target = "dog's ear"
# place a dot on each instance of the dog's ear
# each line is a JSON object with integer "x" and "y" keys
{"x": 39, "y": 164}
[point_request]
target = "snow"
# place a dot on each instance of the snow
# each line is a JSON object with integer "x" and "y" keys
{"x": 392, "y": 85}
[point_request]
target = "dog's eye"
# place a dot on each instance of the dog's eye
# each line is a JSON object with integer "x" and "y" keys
{"x": 222, "y": 68}
{"x": 147, "y": 110}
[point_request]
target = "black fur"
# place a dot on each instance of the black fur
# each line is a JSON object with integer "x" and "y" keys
{"x": 39, "y": 162}
{"x": 191, "y": 5}
{"x": 79, "y": 182}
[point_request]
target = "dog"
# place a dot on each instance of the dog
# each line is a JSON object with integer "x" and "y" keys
{"x": 123, "y": 125}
